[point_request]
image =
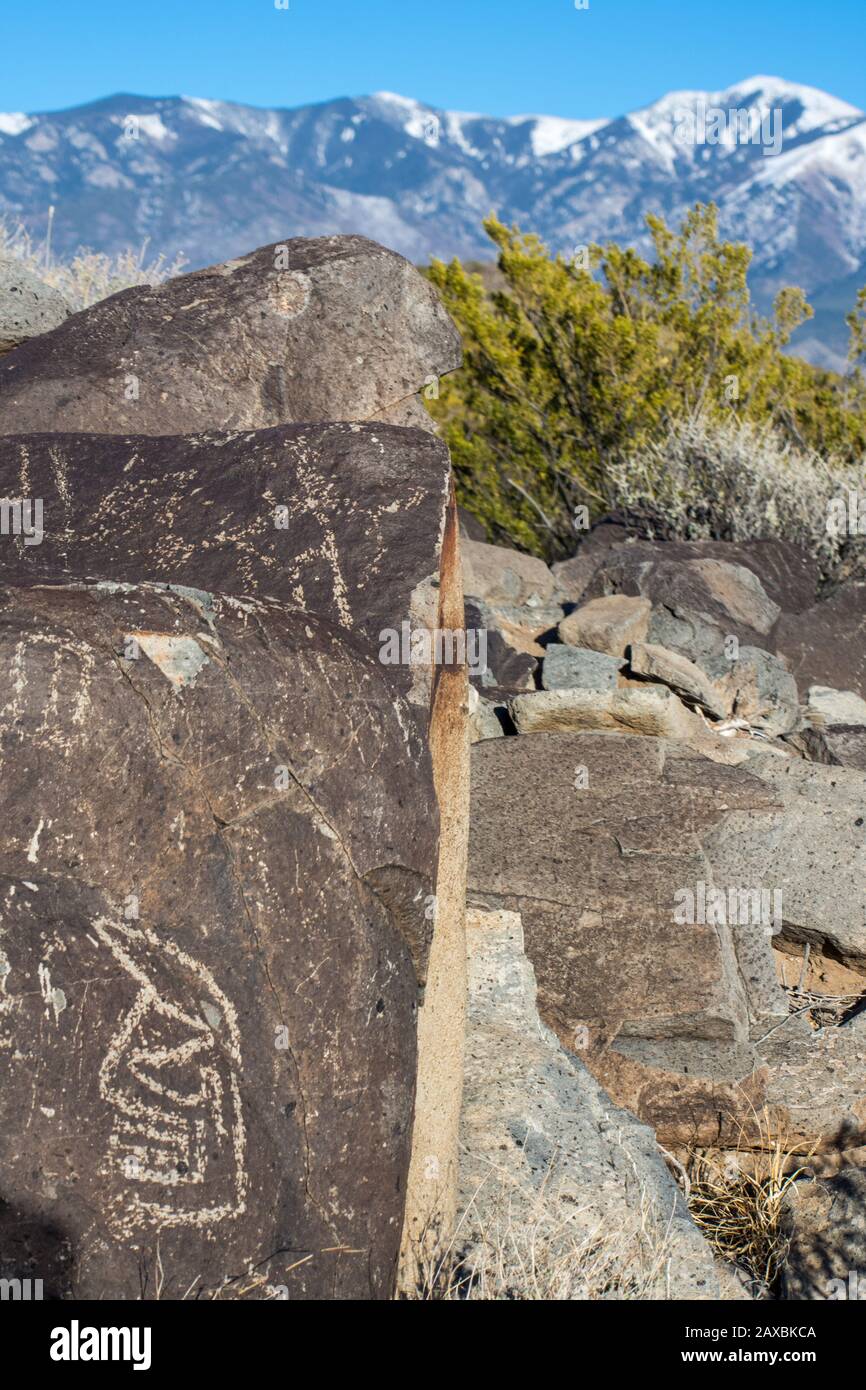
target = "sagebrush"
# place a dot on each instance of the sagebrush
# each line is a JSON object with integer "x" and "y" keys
{"x": 89, "y": 275}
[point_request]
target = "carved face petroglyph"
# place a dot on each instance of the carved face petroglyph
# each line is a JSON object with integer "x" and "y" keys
{"x": 170, "y": 1076}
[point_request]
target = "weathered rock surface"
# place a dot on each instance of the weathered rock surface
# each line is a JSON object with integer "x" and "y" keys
{"x": 567, "y": 668}
{"x": 498, "y": 574}
{"x": 813, "y": 851}
{"x": 327, "y": 328}
{"x": 708, "y": 589}
{"x": 608, "y": 624}
{"x": 550, "y": 1168}
{"x": 838, "y": 745}
{"x": 610, "y": 847}
{"x": 652, "y": 710}
{"x": 827, "y": 1258}
{"x": 815, "y": 1087}
{"x": 28, "y": 306}
{"x": 826, "y": 706}
{"x": 787, "y": 573}
{"x": 510, "y": 655}
{"x": 757, "y": 687}
{"x": 597, "y": 881}
{"x": 340, "y": 531}
{"x": 345, "y": 520}
{"x": 485, "y": 717}
{"x": 685, "y": 678}
{"x": 826, "y": 645}
{"x": 215, "y": 862}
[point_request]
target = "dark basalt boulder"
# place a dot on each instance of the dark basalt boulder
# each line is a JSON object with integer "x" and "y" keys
{"x": 787, "y": 572}
{"x": 827, "y": 644}
{"x": 326, "y": 328}
{"x": 218, "y": 839}
{"x": 343, "y": 520}
{"x": 224, "y": 816}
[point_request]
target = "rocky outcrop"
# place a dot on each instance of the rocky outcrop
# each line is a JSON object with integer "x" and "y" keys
{"x": 690, "y": 594}
{"x": 234, "y": 854}
{"x": 28, "y": 306}
{"x": 599, "y": 881}
{"x": 579, "y": 668}
{"x": 654, "y": 711}
{"x": 344, "y": 520}
{"x": 664, "y": 894}
{"x": 608, "y": 625}
{"x": 813, "y": 850}
{"x": 838, "y": 745}
{"x": 499, "y": 575}
{"x": 788, "y": 575}
{"x": 564, "y": 1194}
{"x": 327, "y": 328}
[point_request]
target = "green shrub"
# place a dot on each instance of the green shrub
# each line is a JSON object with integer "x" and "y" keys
{"x": 574, "y": 365}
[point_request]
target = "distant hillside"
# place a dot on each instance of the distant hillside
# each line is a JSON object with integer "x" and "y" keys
{"x": 211, "y": 179}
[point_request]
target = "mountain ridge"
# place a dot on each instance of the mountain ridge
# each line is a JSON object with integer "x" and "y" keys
{"x": 210, "y": 179}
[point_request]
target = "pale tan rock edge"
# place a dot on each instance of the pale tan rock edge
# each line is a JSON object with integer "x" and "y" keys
{"x": 431, "y": 1195}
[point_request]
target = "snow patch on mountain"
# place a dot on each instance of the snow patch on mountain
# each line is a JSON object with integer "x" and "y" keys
{"x": 210, "y": 179}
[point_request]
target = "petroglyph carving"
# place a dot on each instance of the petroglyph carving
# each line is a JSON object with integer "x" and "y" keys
{"x": 170, "y": 1075}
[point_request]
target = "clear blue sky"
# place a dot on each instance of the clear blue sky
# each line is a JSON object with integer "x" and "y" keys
{"x": 502, "y": 57}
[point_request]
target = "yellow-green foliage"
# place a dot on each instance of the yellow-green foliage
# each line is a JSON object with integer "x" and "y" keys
{"x": 574, "y": 364}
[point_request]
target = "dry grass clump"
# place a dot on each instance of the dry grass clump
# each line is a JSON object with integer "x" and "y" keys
{"x": 90, "y": 275}
{"x": 738, "y": 1200}
{"x": 733, "y": 481}
{"x": 519, "y": 1251}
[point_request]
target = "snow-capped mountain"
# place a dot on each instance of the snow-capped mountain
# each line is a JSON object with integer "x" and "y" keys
{"x": 209, "y": 179}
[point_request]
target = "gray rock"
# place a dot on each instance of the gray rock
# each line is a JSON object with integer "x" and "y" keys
{"x": 327, "y": 328}
{"x": 485, "y": 717}
{"x": 568, "y": 667}
{"x": 496, "y": 574}
{"x": 812, "y": 851}
{"x": 826, "y": 706}
{"x": 816, "y": 1084}
{"x": 827, "y": 1256}
{"x": 530, "y": 621}
{"x": 550, "y": 1168}
{"x": 608, "y": 624}
{"x": 510, "y": 654}
{"x": 28, "y": 307}
{"x": 681, "y": 675}
{"x": 837, "y": 745}
{"x": 759, "y": 688}
{"x": 708, "y": 590}
{"x": 652, "y": 710}
{"x": 788, "y": 574}
{"x": 597, "y": 887}
{"x": 691, "y": 636}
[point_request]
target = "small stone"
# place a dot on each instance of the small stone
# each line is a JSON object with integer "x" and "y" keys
{"x": 28, "y": 307}
{"x": 682, "y": 675}
{"x": 496, "y": 574}
{"x": 608, "y": 624}
{"x": 827, "y": 706}
{"x": 568, "y": 668}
